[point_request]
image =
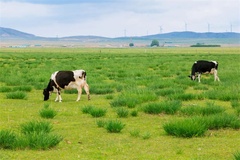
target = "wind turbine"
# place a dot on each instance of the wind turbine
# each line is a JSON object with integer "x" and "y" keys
{"x": 160, "y": 27}
{"x": 185, "y": 26}
{"x": 208, "y": 27}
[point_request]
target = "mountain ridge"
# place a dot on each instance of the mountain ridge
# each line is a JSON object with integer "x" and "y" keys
{"x": 8, "y": 33}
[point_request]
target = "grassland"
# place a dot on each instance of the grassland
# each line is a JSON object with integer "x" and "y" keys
{"x": 122, "y": 82}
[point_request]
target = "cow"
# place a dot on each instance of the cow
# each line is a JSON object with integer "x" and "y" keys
{"x": 202, "y": 66}
{"x": 67, "y": 80}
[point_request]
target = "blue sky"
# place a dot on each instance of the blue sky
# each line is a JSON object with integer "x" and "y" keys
{"x": 116, "y": 18}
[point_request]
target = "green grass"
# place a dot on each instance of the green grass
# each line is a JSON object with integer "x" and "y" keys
{"x": 16, "y": 95}
{"x": 186, "y": 128}
{"x": 47, "y": 113}
{"x": 129, "y": 78}
{"x": 209, "y": 109}
{"x": 237, "y": 155}
{"x": 7, "y": 139}
{"x": 94, "y": 111}
{"x": 114, "y": 126}
{"x": 36, "y": 127}
{"x": 35, "y": 135}
{"x": 167, "y": 107}
{"x": 122, "y": 112}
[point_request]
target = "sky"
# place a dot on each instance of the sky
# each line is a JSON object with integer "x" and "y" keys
{"x": 119, "y": 18}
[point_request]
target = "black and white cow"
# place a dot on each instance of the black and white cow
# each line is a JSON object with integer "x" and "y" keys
{"x": 202, "y": 66}
{"x": 66, "y": 80}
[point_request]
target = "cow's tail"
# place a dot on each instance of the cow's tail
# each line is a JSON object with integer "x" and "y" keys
{"x": 84, "y": 74}
{"x": 216, "y": 65}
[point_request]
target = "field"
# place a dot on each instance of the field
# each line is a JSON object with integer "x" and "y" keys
{"x": 145, "y": 90}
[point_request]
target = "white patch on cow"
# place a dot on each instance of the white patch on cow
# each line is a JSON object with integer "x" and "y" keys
{"x": 53, "y": 77}
{"x": 215, "y": 62}
{"x": 78, "y": 74}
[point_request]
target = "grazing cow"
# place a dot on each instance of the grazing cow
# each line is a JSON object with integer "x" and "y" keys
{"x": 66, "y": 80}
{"x": 203, "y": 66}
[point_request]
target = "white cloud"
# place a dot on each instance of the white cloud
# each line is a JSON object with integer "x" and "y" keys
{"x": 111, "y": 18}
{"x": 21, "y": 10}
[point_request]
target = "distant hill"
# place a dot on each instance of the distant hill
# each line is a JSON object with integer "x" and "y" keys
{"x": 85, "y": 38}
{"x": 8, "y": 33}
{"x": 194, "y": 35}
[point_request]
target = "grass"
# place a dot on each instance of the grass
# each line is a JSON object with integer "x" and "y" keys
{"x": 186, "y": 128}
{"x": 209, "y": 109}
{"x": 36, "y": 127}
{"x": 168, "y": 107}
{"x": 94, "y": 111}
{"x": 7, "y": 139}
{"x": 122, "y": 112}
{"x": 16, "y": 95}
{"x": 219, "y": 121}
{"x": 237, "y": 155}
{"x": 123, "y": 78}
{"x": 48, "y": 113}
{"x": 114, "y": 126}
{"x": 35, "y": 135}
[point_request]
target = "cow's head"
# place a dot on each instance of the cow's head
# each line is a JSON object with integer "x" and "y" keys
{"x": 193, "y": 77}
{"x": 46, "y": 94}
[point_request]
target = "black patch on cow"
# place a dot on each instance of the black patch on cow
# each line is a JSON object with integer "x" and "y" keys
{"x": 48, "y": 89}
{"x": 63, "y": 78}
{"x": 203, "y": 66}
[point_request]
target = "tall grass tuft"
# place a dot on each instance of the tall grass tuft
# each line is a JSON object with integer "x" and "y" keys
{"x": 169, "y": 107}
{"x": 122, "y": 112}
{"x": 23, "y": 88}
{"x": 210, "y": 109}
{"x": 98, "y": 112}
{"x": 146, "y": 135}
{"x": 47, "y": 112}
{"x": 16, "y": 95}
{"x": 5, "y": 89}
{"x": 43, "y": 140}
{"x": 36, "y": 127}
{"x": 224, "y": 120}
{"x": 35, "y": 135}
{"x": 186, "y": 128}
{"x": 87, "y": 109}
{"x": 237, "y": 155}
{"x": 101, "y": 123}
{"x": 38, "y": 136}
{"x": 134, "y": 113}
{"x": 114, "y": 126}
{"x": 95, "y": 112}
{"x": 7, "y": 139}
{"x": 133, "y": 97}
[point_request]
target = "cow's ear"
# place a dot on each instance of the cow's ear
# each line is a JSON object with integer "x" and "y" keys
{"x": 189, "y": 76}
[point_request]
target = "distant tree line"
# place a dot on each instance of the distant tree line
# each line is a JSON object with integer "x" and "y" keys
{"x": 205, "y": 45}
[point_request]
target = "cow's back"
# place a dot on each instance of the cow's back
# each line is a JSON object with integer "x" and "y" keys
{"x": 203, "y": 66}
{"x": 63, "y": 78}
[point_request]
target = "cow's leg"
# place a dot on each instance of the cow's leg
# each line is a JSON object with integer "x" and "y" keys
{"x": 58, "y": 98}
{"x": 86, "y": 88}
{"x": 79, "y": 93}
{"x": 199, "y": 77}
{"x": 216, "y": 78}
